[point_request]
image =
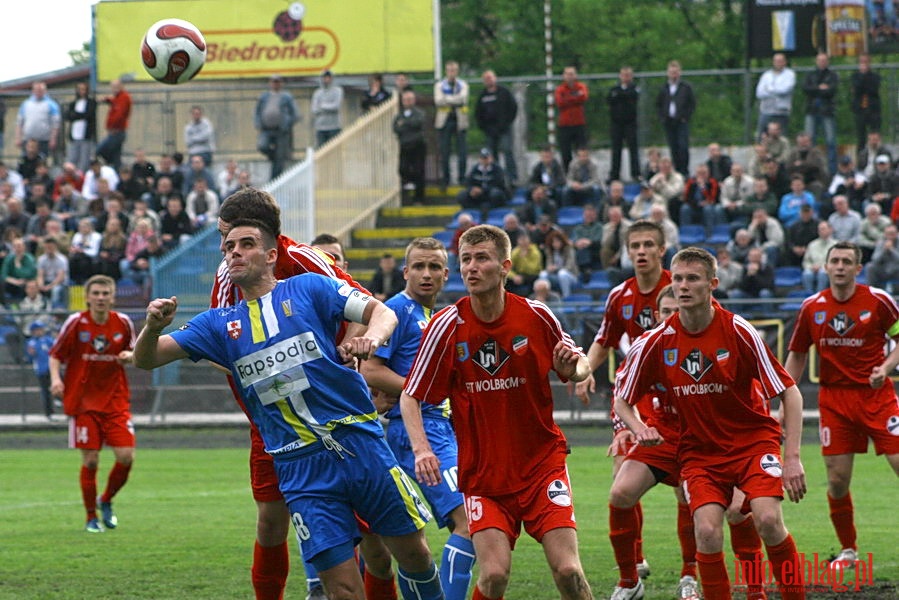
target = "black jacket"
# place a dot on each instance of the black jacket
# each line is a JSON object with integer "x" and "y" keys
{"x": 495, "y": 111}
{"x": 90, "y": 114}
{"x": 623, "y": 103}
{"x": 684, "y": 102}
{"x": 817, "y": 101}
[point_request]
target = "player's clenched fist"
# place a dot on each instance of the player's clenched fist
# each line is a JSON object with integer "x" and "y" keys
{"x": 161, "y": 312}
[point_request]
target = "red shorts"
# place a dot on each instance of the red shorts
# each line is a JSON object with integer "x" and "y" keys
{"x": 661, "y": 458}
{"x": 758, "y": 476}
{"x": 849, "y": 416}
{"x": 93, "y": 430}
{"x": 263, "y": 478}
{"x": 542, "y": 507}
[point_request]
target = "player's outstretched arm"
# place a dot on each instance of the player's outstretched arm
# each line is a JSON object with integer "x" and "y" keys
{"x": 643, "y": 435}
{"x": 793, "y": 471}
{"x": 881, "y": 372}
{"x": 381, "y": 322}
{"x": 596, "y": 355}
{"x": 569, "y": 363}
{"x": 151, "y": 350}
{"x": 427, "y": 465}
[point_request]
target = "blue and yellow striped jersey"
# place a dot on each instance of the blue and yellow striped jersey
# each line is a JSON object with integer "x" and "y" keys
{"x": 281, "y": 350}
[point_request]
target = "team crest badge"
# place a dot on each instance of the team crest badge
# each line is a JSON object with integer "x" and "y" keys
{"x": 645, "y": 319}
{"x": 627, "y": 311}
{"x": 820, "y": 317}
{"x": 770, "y": 464}
{"x": 117, "y": 337}
{"x": 286, "y": 308}
{"x": 84, "y": 336}
{"x": 234, "y": 329}
{"x": 422, "y": 324}
{"x": 721, "y": 355}
{"x": 671, "y": 357}
{"x": 490, "y": 356}
{"x": 519, "y": 344}
{"x": 558, "y": 493}
{"x": 841, "y": 323}
{"x": 462, "y": 351}
{"x": 100, "y": 344}
{"x": 864, "y": 316}
{"x": 696, "y": 364}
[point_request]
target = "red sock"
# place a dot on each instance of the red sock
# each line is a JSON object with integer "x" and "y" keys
{"x": 790, "y": 584}
{"x": 117, "y": 478}
{"x": 639, "y": 542}
{"x": 623, "y": 535}
{"x": 89, "y": 491}
{"x": 686, "y": 535}
{"x": 747, "y": 546}
{"x": 379, "y": 589}
{"x": 843, "y": 518}
{"x": 477, "y": 595}
{"x": 269, "y": 572}
{"x": 713, "y": 573}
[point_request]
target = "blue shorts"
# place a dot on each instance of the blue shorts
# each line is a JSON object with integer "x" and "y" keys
{"x": 323, "y": 490}
{"x": 445, "y": 497}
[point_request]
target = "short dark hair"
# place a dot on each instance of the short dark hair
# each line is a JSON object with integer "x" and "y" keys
{"x": 252, "y": 203}
{"x": 646, "y": 225}
{"x": 268, "y": 236}
{"x": 843, "y": 245}
{"x": 324, "y": 238}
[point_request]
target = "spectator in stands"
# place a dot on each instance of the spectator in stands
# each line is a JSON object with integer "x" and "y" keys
{"x": 175, "y": 226}
{"x": 451, "y": 121}
{"x": 115, "y": 209}
{"x": 740, "y": 245}
{"x": 757, "y": 162}
{"x": 850, "y": 183}
{"x": 274, "y": 118}
{"x": 96, "y": 172}
{"x": 112, "y": 249}
{"x": 199, "y": 136}
{"x": 168, "y": 167}
{"x": 669, "y": 184}
{"x": 388, "y": 279}
{"x": 38, "y": 118}
{"x": 485, "y": 186}
{"x": 164, "y": 191}
{"x": 800, "y": 234}
{"x": 820, "y": 87}
{"x": 651, "y": 166}
{"x": 775, "y": 174}
{"x": 37, "y": 224}
{"x": 544, "y": 293}
{"x": 110, "y": 148}
{"x": 81, "y": 114}
{"x": 814, "y": 277}
{"x": 613, "y": 243}
{"x": 69, "y": 206}
{"x": 645, "y": 200}
{"x": 527, "y": 264}
{"x": 583, "y": 184}
{"x": 511, "y": 225}
{"x": 623, "y": 100}
{"x": 777, "y": 146}
{"x": 541, "y": 231}
{"x": 873, "y": 227}
{"x": 675, "y": 105}
{"x": 884, "y": 265}
{"x": 806, "y": 160}
{"x": 865, "y": 86}
{"x": 761, "y": 197}
{"x": 142, "y": 211}
{"x": 83, "y": 251}
{"x": 586, "y": 238}
{"x": 701, "y": 200}
{"x": 33, "y": 306}
{"x": 570, "y": 97}
{"x": 202, "y": 205}
{"x": 548, "y": 173}
{"x": 758, "y": 278}
{"x": 400, "y": 83}
{"x": 659, "y": 214}
{"x": 845, "y": 222}
{"x": 131, "y": 189}
{"x": 16, "y": 217}
{"x": 139, "y": 268}
{"x": 767, "y": 233}
{"x": 138, "y": 240}
{"x": 14, "y": 179}
{"x": 495, "y": 112}
{"x": 560, "y": 265}
{"x": 775, "y": 94}
{"x": 719, "y": 164}
{"x": 327, "y": 102}
{"x": 55, "y": 231}
{"x": 790, "y": 204}
{"x": 735, "y": 189}
{"x": 53, "y": 274}
{"x": 144, "y": 171}
{"x": 226, "y": 180}
{"x": 17, "y": 269}
{"x": 31, "y": 156}
{"x": 872, "y": 150}
{"x": 69, "y": 174}
{"x": 729, "y": 273}
{"x": 883, "y": 186}
{"x": 615, "y": 199}
{"x": 37, "y": 347}
{"x": 409, "y": 128}
{"x": 375, "y": 95}
{"x": 197, "y": 170}
{"x": 539, "y": 204}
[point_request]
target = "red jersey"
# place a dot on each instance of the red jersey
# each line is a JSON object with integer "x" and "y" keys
{"x": 94, "y": 378}
{"x": 719, "y": 380}
{"x": 630, "y": 311}
{"x": 497, "y": 378}
{"x": 119, "y": 111}
{"x": 570, "y": 101}
{"x": 293, "y": 259}
{"x": 850, "y": 336}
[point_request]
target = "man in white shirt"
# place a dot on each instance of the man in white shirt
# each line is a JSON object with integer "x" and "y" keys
{"x": 775, "y": 94}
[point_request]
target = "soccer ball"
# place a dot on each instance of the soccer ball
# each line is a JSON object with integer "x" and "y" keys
{"x": 173, "y": 51}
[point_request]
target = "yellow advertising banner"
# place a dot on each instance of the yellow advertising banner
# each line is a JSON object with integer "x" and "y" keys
{"x": 259, "y": 37}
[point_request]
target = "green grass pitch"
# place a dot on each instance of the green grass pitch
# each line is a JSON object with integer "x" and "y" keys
{"x": 187, "y": 527}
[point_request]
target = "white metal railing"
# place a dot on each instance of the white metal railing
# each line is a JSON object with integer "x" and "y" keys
{"x": 294, "y": 190}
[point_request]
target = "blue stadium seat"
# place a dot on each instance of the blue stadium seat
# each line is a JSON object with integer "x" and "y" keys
{"x": 519, "y": 197}
{"x": 569, "y": 216}
{"x": 787, "y": 276}
{"x": 720, "y": 235}
{"x": 495, "y": 216}
{"x": 444, "y": 236}
{"x": 794, "y": 301}
{"x": 598, "y": 281}
{"x": 454, "y": 284}
{"x": 691, "y": 235}
{"x": 631, "y": 190}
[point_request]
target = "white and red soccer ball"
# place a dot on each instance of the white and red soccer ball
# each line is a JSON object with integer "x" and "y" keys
{"x": 173, "y": 51}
